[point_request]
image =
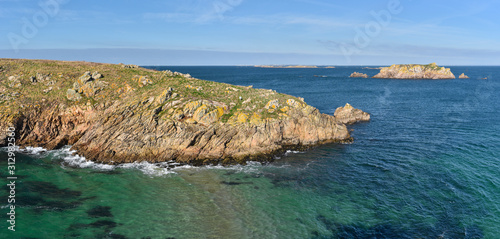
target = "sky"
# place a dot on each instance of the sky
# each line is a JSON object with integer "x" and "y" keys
{"x": 253, "y": 32}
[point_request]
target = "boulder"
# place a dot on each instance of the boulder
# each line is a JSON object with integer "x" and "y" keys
{"x": 88, "y": 85}
{"x": 96, "y": 75}
{"x": 90, "y": 89}
{"x": 86, "y": 77}
{"x": 142, "y": 80}
{"x": 39, "y": 77}
{"x": 350, "y": 115}
{"x": 72, "y": 95}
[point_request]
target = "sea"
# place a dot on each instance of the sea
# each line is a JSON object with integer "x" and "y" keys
{"x": 427, "y": 165}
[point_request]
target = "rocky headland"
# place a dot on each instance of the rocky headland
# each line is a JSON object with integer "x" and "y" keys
{"x": 414, "y": 71}
{"x": 124, "y": 113}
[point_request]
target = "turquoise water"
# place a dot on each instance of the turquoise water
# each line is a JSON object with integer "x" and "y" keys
{"x": 426, "y": 166}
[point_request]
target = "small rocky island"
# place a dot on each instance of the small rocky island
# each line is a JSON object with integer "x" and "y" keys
{"x": 358, "y": 75}
{"x": 463, "y": 76}
{"x": 414, "y": 71}
{"x": 124, "y": 113}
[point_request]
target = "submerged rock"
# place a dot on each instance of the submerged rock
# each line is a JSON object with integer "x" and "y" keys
{"x": 413, "y": 71}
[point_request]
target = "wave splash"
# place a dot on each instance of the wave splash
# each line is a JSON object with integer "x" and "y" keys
{"x": 72, "y": 160}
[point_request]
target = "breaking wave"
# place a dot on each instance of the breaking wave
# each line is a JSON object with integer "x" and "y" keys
{"x": 69, "y": 159}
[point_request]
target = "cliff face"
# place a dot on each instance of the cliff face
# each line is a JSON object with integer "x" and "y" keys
{"x": 119, "y": 114}
{"x": 431, "y": 71}
{"x": 121, "y": 135}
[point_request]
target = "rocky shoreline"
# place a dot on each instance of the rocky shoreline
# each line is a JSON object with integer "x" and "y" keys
{"x": 119, "y": 115}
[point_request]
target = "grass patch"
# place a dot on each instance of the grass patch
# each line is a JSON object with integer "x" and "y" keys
{"x": 65, "y": 73}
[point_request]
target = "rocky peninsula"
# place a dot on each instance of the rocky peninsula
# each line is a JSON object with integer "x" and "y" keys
{"x": 414, "y": 71}
{"x": 124, "y": 113}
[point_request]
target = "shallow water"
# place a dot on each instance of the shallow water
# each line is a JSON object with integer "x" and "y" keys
{"x": 426, "y": 166}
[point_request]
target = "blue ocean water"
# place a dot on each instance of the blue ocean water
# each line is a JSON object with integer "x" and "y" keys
{"x": 426, "y": 166}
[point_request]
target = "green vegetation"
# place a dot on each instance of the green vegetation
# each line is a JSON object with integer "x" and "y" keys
{"x": 127, "y": 85}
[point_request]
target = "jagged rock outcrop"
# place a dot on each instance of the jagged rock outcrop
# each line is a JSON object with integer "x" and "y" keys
{"x": 431, "y": 71}
{"x": 87, "y": 85}
{"x": 350, "y": 115}
{"x": 167, "y": 121}
{"x": 358, "y": 75}
{"x": 463, "y": 76}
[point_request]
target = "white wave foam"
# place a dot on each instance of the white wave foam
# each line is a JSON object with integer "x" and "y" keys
{"x": 71, "y": 159}
{"x": 33, "y": 150}
{"x": 151, "y": 169}
{"x": 27, "y": 150}
{"x": 288, "y": 152}
{"x": 74, "y": 160}
{"x": 250, "y": 167}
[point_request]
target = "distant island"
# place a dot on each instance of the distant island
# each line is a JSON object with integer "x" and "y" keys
{"x": 292, "y": 66}
{"x": 124, "y": 113}
{"x": 358, "y": 75}
{"x": 415, "y": 71}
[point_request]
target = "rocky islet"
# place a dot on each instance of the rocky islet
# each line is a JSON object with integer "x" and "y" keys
{"x": 415, "y": 71}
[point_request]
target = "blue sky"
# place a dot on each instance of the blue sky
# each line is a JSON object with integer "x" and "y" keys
{"x": 247, "y": 32}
